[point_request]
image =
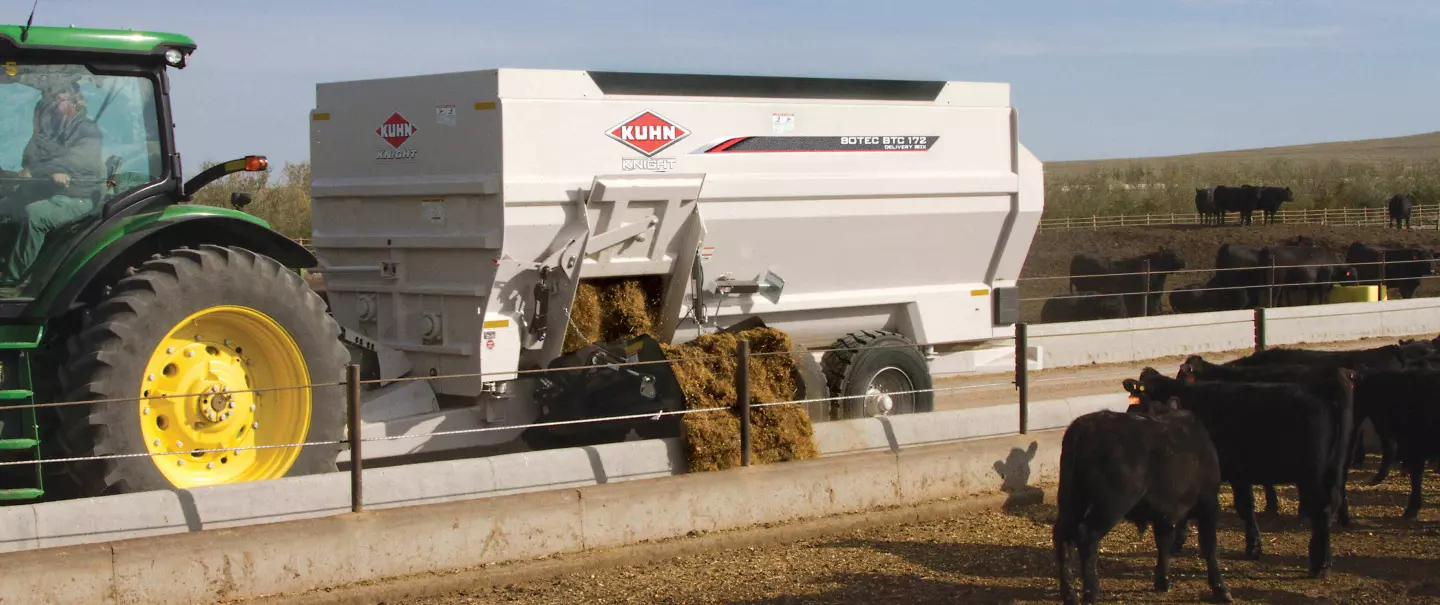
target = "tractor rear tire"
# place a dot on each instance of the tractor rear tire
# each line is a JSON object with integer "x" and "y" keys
{"x": 180, "y": 324}
{"x": 862, "y": 366}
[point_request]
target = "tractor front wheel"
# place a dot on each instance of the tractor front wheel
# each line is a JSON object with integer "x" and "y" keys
{"x": 190, "y": 357}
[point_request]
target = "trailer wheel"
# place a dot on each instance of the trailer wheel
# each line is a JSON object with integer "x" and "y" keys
{"x": 811, "y": 384}
{"x": 876, "y": 372}
{"x": 212, "y": 322}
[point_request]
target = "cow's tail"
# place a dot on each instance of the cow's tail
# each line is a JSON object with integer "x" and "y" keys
{"x": 1338, "y": 456}
{"x": 1072, "y": 505}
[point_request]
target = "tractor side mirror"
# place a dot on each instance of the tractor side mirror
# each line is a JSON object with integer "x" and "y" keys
{"x": 240, "y": 199}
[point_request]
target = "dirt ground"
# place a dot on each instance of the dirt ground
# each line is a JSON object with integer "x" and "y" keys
{"x": 1051, "y": 251}
{"x": 1006, "y": 557}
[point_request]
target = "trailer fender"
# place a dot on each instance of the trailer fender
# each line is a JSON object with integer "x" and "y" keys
{"x": 105, "y": 256}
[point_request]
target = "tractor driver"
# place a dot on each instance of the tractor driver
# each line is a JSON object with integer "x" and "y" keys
{"x": 63, "y": 164}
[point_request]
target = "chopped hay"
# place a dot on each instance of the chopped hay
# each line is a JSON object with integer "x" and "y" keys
{"x": 617, "y": 309}
{"x": 712, "y": 439}
{"x": 613, "y": 309}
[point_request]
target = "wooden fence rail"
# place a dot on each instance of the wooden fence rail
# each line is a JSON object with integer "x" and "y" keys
{"x": 1427, "y": 215}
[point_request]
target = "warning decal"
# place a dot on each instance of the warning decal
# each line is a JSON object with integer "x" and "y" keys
{"x": 784, "y": 144}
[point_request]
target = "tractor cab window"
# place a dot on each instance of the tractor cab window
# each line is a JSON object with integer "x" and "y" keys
{"x": 70, "y": 141}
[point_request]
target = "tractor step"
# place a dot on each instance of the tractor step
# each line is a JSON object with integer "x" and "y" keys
{"x": 17, "y": 415}
{"x": 21, "y": 493}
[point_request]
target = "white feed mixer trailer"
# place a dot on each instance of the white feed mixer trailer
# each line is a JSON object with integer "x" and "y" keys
{"x": 455, "y": 215}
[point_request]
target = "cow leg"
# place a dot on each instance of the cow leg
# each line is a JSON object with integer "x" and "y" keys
{"x": 1314, "y": 500}
{"x": 1062, "y": 561}
{"x": 1416, "y": 466}
{"x": 1164, "y": 540}
{"x": 1182, "y": 532}
{"x": 1245, "y": 508}
{"x": 1206, "y": 516}
{"x": 1090, "y": 575}
{"x": 1272, "y": 500}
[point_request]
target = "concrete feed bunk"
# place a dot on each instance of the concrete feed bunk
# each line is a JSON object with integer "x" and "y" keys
{"x": 456, "y": 214}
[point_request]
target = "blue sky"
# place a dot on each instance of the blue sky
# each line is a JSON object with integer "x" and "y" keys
{"x": 1091, "y": 78}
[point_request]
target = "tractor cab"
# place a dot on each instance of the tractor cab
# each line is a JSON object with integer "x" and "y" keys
{"x": 72, "y": 141}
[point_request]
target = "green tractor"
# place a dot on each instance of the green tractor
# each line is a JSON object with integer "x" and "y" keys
{"x": 172, "y": 323}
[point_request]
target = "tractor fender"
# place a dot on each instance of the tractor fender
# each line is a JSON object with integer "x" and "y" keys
{"x": 109, "y": 256}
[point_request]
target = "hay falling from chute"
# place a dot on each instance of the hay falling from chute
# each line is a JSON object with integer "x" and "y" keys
{"x": 616, "y": 309}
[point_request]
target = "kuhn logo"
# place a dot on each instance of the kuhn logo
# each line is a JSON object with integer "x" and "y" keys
{"x": 648, "y": 133}
{"x": 396, "y": 130}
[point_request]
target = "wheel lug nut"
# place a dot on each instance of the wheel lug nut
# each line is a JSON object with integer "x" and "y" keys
{"x": 157, "y": 443}
{"x": 145, "y": 412}
{"x": 211, "y": 465}
{"x": 252, "y": 408}
{"x": 169, "y": 350}
{"x": 150, "y": 377}
{"x": 232, "y": 404}
{"x": 178, "y": 444}
{"x": 189, "y": 353}
{"x": 227, "y": 342}
{"x": 254, "y": 425}
{"x": 179, "y": 463}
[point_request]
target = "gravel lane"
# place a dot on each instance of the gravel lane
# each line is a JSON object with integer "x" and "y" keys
{"x": 1005, "y": 557}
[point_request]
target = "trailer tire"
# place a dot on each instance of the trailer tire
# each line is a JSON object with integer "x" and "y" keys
{"x": 810, "y": 383}
{"x": 863, "y": 366}
{"x": 234, "y": 294}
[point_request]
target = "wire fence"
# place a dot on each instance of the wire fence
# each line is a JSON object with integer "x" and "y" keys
{"x": 741, "y": 406}
{"x": 1265, "y": 283}
{"x": 1426, "y": 215}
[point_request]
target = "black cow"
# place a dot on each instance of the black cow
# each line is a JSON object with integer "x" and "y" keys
{"x": 1237, "y": 268}
{"x": 1084, "y": 306}
{"x": 1387, "y": 357}
{"x": 1127, "y": 276}
{"x": 1270, "y": 200}
{"x": 1273, "y": 433}
{"x": 1400, "y": 207}
{"x": 1308, "y": 270}
{"x": 1205, "y": 206}
{"x": 1404, "y": 407}
{"x": 1407, "y": 354}
{"x": 1242, "y": 199}
{"x": 1400, "y": 268}
{"x": 1158, "y": 469}
{"x": 1196, "y": 369}
{"x": 1200, "y": 298}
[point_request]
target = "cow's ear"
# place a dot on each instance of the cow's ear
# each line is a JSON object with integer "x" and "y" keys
{"x": 1132, "y": 386}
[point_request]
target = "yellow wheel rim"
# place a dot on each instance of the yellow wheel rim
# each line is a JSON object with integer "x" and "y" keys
{"x": 197, "y": 394}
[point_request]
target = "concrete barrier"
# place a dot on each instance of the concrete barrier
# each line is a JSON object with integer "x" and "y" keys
{"x": 293, "y": 556}
{"x": 1140, "y": 338}
{"x": 97, "y": 520}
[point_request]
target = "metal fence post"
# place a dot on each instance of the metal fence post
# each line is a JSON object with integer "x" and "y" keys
{"x": 1145, "y": 299}
{"x": 742, "y": 397}
{"x": 352, "y": 406}
{"x": 1022, "y": 375}
{"x": 1259, "y": 329}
